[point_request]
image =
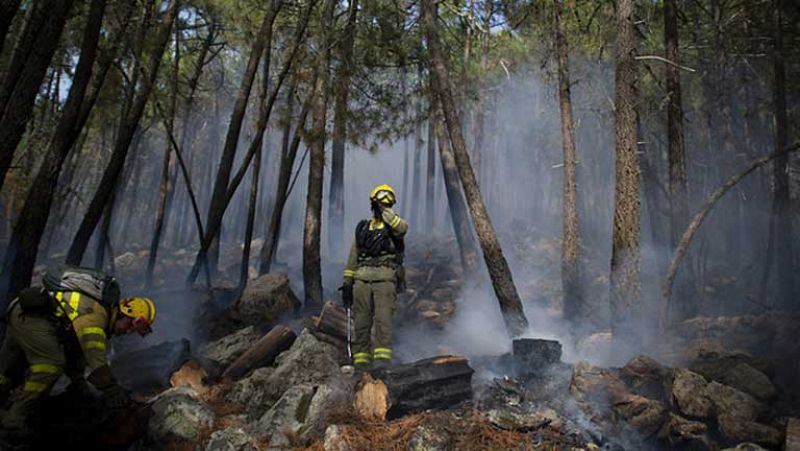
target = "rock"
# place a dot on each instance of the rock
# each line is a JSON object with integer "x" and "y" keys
{"x": 265, "y": 299}
{"x": 177, "y": 414}
{"x": 739, "y": 375}
{"x": 516, "y": 419}
{"x": 230, "y": 347}
{"x": 230, "y": 439}
{"x": 644, "y": 414}
{"x": 709, "y": 351}
{"x": 125, "y": 260}
{"x": 329, "y": 401}
{"x": 308, "y": 361}
{"x": 429, "y": 438}
{"x": 249, "y": 392}
{"x": 334, "y": 439}
{"x": 534, "y": 355}
{"x": 681, "y": 433}
{"x": 287, "y": 417}
{"x": 793, "y": 435}
{"x": 738, "y": 429}
{"x": 150, "y": 368}
{"x": 745, "y": 447}
{"x": 728, "y": 401}
{"x": 593, "y": 384}
{"x": 647, "y": 377}
{"x": 688, "y": 391}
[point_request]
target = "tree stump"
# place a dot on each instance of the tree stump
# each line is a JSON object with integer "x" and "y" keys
{"x": 262, "y": 353}
{"x": 434, "y": 383}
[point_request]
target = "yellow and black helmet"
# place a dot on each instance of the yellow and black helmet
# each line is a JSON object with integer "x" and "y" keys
{"x": 138, "y": 308}
{"x": 383, "y": 194}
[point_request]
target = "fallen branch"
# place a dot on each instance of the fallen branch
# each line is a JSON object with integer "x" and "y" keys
{"x": 697, "y": 220}
{"x": 664, "y": 60}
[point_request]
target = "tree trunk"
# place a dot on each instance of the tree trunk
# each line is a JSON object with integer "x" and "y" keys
{"x": 125, "y": 134}
{"x": 416, "y": 190}
{"x": 8, "y": 9}
{"x": 430, "y": 181}
{"x": 500, "y": 273}
{"x": 780, "y": 199}
{"x": 168, "y": 170}
{"x": 624, "y": 278}
{"x": 570, "y": 259}
{"x": 455, "y": 200}
{"x": 312, "y": 270}
{"x": 258, "y": 143}
{"x": 339, "y": 137}
{"x": 22, "y": 82}
{"x": 678, "y": 202}
{"x": 21, "y": 252}
{"x": 219, "y": 196}
{"x": 284, "y": 178}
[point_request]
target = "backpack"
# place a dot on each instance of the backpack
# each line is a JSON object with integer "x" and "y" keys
{"x": 95, "y": 284}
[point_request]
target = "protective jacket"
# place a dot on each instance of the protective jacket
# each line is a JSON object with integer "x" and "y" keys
{"x": 377, "y": 250}
{"x": 66, "y": 333}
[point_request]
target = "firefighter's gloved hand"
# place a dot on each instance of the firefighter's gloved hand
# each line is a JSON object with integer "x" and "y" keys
{"x": 347, "y": 292}
{"x": 115, "y": 397}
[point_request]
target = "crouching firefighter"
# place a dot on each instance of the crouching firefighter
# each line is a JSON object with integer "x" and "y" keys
{"x": 63, "y": 328}
{"x": 372, "y": 278}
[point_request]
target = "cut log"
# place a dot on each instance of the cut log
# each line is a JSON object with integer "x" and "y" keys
{"x": 262, "y": 353}
{"x": 330, "y": 339}
{"x": 332, "y": 321}
{"x": 434, "y": 383}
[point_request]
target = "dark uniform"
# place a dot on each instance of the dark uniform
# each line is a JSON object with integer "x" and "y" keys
{"x": 373, "y": 267}
{"x": 68, "y": 339}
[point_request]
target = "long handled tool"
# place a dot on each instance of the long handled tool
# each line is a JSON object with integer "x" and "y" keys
{"x": 348, "y": 369}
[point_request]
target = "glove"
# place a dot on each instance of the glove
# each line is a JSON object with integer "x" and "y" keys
{"x": 115, "y": 397}
{"x": 347, "y": 293}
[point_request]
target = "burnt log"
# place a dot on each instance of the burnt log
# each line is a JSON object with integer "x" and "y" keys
{"x": 533, "y": 355}
{"x": 434, "y": 383}
{"x": 332, "y": 321}
{"x": 262, "y": 353}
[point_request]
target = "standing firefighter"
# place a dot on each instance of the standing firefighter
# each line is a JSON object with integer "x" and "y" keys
{"x": 373, "y": 277}
{"x": 63, "y": 329}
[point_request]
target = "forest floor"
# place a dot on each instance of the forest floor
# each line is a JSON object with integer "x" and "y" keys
{"x": 714, "y": 382}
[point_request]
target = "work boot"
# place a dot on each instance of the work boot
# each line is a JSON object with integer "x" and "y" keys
{"x": 379, "y": 364}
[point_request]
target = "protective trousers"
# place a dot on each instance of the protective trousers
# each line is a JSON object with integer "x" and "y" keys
{"x": 32, "y": 339}
{"x": 373, "y": 304}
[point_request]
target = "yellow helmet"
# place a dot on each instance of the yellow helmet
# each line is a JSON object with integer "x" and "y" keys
{"x": 136, "y": 307}
{"x": 383, "y": 194}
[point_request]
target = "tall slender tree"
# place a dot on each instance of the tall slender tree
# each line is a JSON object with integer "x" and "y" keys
{"x": 625, "y": 292}
{"x": 341, "y": 91}
{"x": 455, "y": 199}
{"x": 499, "y": 271}
{"x": 780, "y": 197}
{"x": 570, "y": 258}
{"x": 312, "y": 268}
